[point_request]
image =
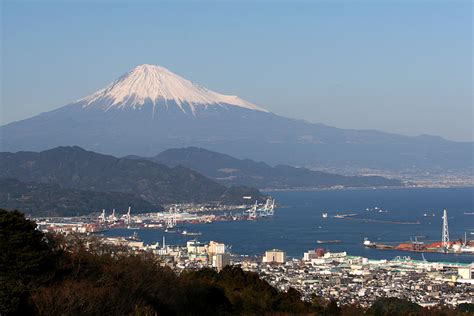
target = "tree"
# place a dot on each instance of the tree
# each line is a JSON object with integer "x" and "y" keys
{"x": 392, "y": 306}
{"x": 26, "y": 261}
{"x": 465, "y": 309}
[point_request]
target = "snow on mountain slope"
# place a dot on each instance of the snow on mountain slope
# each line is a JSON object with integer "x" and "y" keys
{"x": 154, "y": 84}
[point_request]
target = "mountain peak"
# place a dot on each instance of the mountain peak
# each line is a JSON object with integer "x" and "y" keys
{"x": 150, "y": 72}
{"x": 152, "y": 84}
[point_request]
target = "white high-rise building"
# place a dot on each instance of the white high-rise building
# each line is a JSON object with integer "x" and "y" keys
{"x": 216, "y": 248}
{"x": 220, "y": 260}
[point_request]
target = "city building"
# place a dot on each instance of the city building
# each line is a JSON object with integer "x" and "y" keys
{"x": 215, "y": 248}
{"x": 313, "y": 254}
{"x": 465, "y": 272}
{"x": 195, "y": 247}
{"x": 220, "y": 260}
{"x": 274, "y": 256}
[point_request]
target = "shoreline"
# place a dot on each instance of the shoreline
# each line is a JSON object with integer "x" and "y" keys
{"x": 315, "y": 189}
{"x": 446, "y": 257}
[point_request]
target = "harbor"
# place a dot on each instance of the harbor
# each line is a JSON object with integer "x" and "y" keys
{"x": 171, "y": 220}
{"x": 298, "y": 223}
{"x": 462, "y": 246}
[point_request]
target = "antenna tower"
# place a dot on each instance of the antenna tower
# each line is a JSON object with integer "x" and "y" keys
{"x": 445, "y": 237}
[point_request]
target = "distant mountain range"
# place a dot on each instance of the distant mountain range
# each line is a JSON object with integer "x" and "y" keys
{"x": 230, "y": 171}
{"x": 76, "y": 168}
{"x": 151, "y": 109}
{"x": 44, "y": 199}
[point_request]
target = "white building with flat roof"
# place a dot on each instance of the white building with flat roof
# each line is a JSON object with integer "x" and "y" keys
{"x": 274, "y": 256}
{"x": 196, "y": 247}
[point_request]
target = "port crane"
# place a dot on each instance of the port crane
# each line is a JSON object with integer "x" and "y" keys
{"x": 268, "y": 209}
{"x": 112, "y": 218}
{"x": 171, "y": 218}
{"x": 253, "y": 211}
{"x": 102, "y": 217}
{"x": 128, "y": 217}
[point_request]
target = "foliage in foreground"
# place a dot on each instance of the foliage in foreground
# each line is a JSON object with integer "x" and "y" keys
{"x": 43, "y": 275}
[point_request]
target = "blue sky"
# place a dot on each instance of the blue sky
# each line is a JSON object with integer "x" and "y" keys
{"x": 396, "y": 66}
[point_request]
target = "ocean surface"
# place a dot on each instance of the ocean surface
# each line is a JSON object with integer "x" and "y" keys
{"x": 298, "y": 223}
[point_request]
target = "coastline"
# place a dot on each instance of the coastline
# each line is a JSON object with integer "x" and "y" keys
{"x": 337, "y": 188}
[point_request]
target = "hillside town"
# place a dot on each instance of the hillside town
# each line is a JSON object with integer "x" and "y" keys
{"x": 332, "y": 276}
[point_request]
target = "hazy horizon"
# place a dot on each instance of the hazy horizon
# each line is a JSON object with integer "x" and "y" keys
{"x": 397, "y": 67}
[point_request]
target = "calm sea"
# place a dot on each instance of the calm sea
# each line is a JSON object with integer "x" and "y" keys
{"x": 298, "y": 223}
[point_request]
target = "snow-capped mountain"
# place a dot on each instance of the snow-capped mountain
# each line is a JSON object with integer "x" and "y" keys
{"x": 150, "y": 109}
{"x": 157, "y": 86}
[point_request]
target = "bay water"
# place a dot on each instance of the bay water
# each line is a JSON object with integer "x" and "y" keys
{"x": 386, "y": 216}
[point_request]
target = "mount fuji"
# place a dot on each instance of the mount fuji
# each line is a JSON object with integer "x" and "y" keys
{"x": 158, "y": 88}
{"x": 150, "y": 109}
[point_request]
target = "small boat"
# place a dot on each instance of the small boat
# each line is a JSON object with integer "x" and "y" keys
{"x": 190, "y": 233}
{"x": 153, "y": 225}
{"x": 344, "y": 215}
{"x": 134, "y": 237}
{"x": 334, "y": 241}
{"x": 467, "y": 249}
{"x": 368, "y": 243}
{"x": 325, "y": 215}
